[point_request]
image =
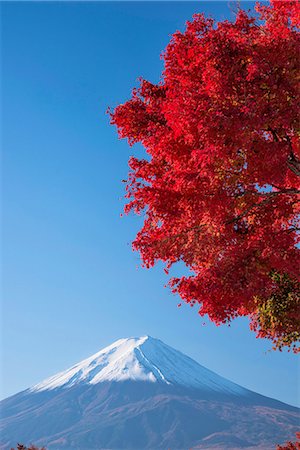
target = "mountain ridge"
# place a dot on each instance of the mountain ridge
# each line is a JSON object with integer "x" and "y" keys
{"x": 144, "y": 358}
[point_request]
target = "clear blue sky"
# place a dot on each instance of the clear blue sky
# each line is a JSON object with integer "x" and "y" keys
{"x": 71, "y": 281}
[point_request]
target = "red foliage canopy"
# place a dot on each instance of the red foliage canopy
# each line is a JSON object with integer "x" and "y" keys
{"x": 220, "y": 189}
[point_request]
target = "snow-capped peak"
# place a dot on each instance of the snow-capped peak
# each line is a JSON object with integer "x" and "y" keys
{"x": 140, "y": 359}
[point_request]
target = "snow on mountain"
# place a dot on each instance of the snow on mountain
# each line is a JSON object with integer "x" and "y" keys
{"x": 141, "y": 359}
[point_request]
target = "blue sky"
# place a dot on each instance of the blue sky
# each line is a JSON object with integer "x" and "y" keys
{"x": 71, "y": 281}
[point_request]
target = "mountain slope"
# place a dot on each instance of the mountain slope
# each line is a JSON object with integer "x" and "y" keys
{"x": 140, "y": 393}
{"x": 141, "y": 359}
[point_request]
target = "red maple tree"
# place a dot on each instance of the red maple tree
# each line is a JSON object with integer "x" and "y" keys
{"x": 219, "y": 189}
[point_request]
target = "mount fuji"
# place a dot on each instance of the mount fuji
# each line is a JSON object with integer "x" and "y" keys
{"x": 139, "y": 393}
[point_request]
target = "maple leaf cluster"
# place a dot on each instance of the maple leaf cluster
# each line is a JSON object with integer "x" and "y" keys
{"x": 219, "y": 188}
{"x": 31, "y": 447}
{"x": 290, "y": 445}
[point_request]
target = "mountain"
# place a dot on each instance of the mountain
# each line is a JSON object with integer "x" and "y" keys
{"x": 139, "y": 393}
